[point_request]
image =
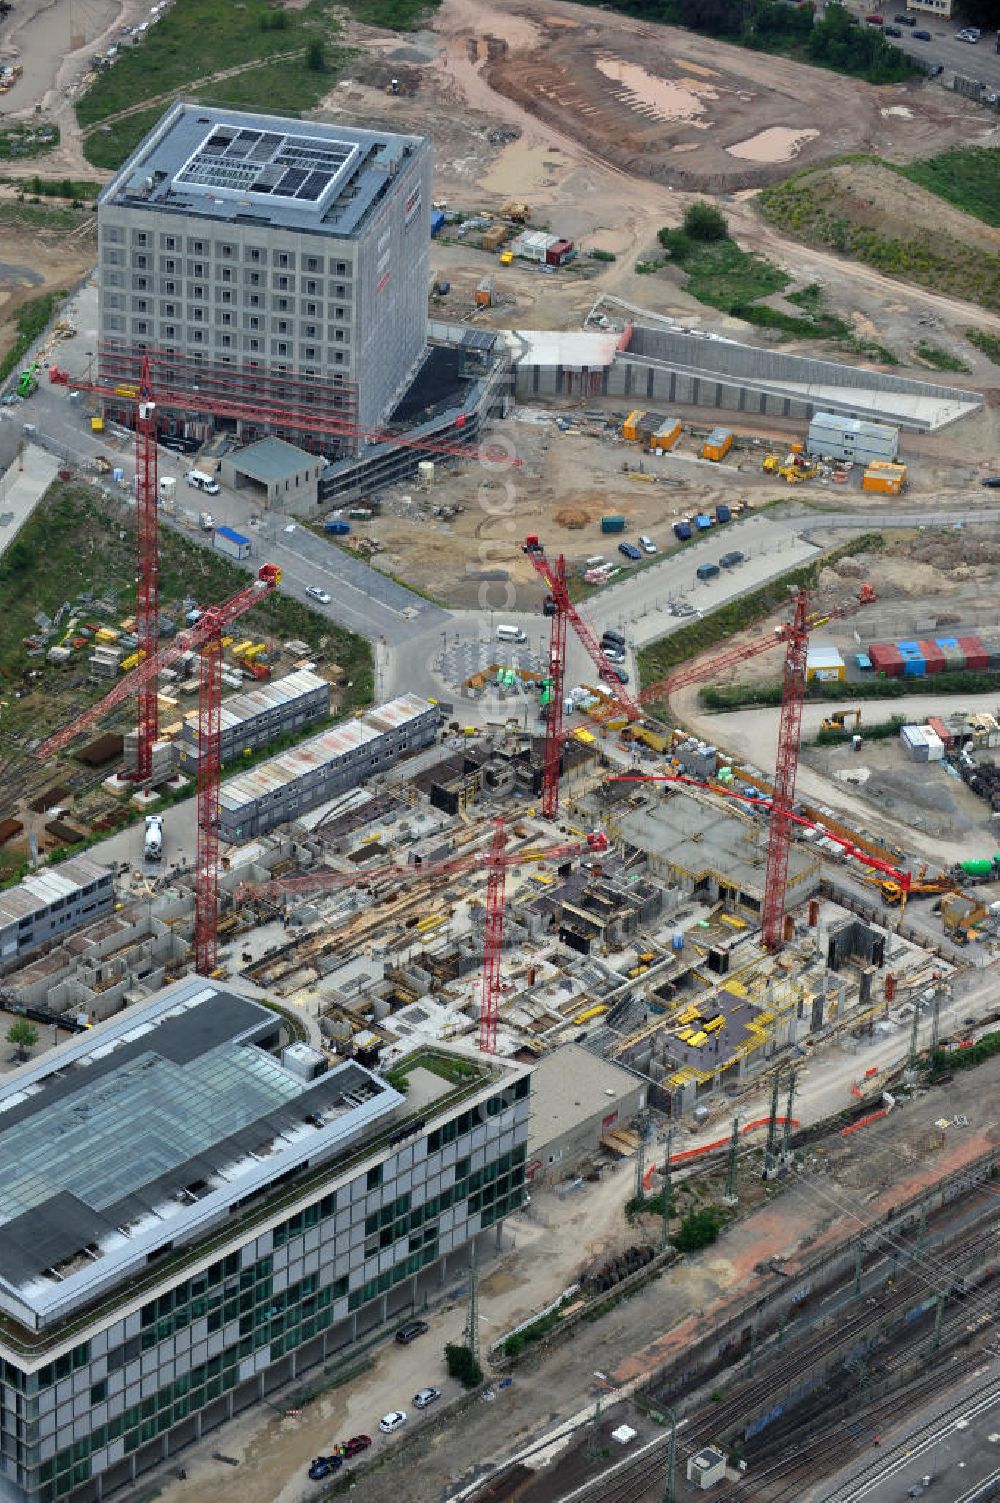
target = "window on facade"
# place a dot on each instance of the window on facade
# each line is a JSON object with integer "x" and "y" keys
{"x": 170, "y": 264}
{"x": 309, "y": 353}
{"x": 169, "y": 242}
{"x": 313, "y": 263}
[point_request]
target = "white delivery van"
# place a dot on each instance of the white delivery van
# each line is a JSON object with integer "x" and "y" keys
{"x": 511, "y": 634}
{"x": 202, "y": 482}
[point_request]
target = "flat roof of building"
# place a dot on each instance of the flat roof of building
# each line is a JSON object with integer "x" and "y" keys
{"x": 271, "y": 459}
{"x": 261, "y": 169}
{"x": 398, "y": 712}
{"x": 700, "y": 840}
{"x": 44, "y": 887}
{"x": 569, "y": 1086}
{"x": 574, "y": 349}
{"x": 139, "y": 1134}
{"x": 263, "y": 699}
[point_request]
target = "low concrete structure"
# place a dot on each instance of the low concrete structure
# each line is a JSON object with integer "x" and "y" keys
{"x": 706, "y": 1467}
{"x": 577, "y": 1098}
{"x": 711, "y": 853}
{"x": 283, "y": 476}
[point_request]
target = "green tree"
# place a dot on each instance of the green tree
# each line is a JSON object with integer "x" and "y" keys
{"x": 316, "y": 55}
{"x": 698, "y": 1229}
{"x": 703, "y": 221}
{"x": 22, "y": 1036}
{"x": 462, "y": 1365}
{"x": 677, "y": 243}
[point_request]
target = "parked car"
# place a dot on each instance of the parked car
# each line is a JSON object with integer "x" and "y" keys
{"x": 394, "y": 1420}
{"x": 874, "y": 20}
{"x": 730, "y": 560}
{"x": 615, "y": 638}
{"x": 324, "y": 1466}
{"x": 613, "y": 654}
{"x": 905, "y": 20}
{"x": 315, "y": 593}
{"x": 992, "y": 482}
{"x": 892, "y": 31}
{"x": 629, "y": 550}
{"x": 354, "y": 1446}
{"x": 620, "y": 674}
{"x": 426, "y": 1397}
{"x": 921, "y": 36}
{"x": 968, "y": 34}
{"x": 646, "y": 544}
{"x": 707, "y": 571}
{"x": 410, "y": 1331}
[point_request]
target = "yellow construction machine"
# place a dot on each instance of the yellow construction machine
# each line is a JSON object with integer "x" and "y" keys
{"x": 837, "y": 720}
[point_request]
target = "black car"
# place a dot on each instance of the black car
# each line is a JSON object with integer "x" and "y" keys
{"x": 619, "y": 674}
{"x": 730, "y": 560}
{"x": 892, "y": 31}
{"x": 411, "y": 1331}
{"x": 992, "y": 482}
{"x": 905, "y": 20}
{"x": 921, "y": 36}
{"x": 324, "y": 1466}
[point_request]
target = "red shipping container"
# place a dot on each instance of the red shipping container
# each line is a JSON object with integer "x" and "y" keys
{"x": 933, "y": 657}
{"x": 885, "y": 658}
{"x": 940, "y": 730}
{"x": 975, "y": 652}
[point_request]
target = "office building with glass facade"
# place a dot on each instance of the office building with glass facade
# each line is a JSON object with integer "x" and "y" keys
{"x": 193, "y": 1211}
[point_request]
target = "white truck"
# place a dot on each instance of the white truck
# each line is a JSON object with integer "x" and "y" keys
{"x": 153, "y": 850}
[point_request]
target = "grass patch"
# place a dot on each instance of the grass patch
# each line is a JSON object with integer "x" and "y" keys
{"x": 19, "y": 141}
{"x": 989, "y": 344}
{"x": 72, "y": 544}
{"x": 967, "y": 176}
{"x": 195, "y": 38}
{"x": 724, "y": 697}
{"x": 31, "y": 318}
{"x": 398, "y": 15}
{"x": 941, "y": 360}
{"x": 818, "y": 207}
{"x": 109, "y": 145}
{"x": 722, "y": 275}
{"x": 75, "y": 188}
{"x": 657, "y": 659}
{"x": 35, "y": 216}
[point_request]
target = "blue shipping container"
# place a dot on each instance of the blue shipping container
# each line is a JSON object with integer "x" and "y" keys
{"x": 702, "y": 522}
{"x": 914, "y": 667}
{"x": 437, "y": 221}
{"x": 909, "y": 649}
{"x": 722, "y": 513}
{"x": 943, "y": 642}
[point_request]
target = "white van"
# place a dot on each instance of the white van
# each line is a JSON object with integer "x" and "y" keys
{"x": 202, "y": 482}
{"x": 511, "y": 634}
{"x": 596, "y": 561}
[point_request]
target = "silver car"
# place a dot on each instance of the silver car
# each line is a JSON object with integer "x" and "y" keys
{"x": 426, "y": 1397}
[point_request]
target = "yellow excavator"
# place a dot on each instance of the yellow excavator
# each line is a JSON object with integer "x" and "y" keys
{"x": 837, "y": 720}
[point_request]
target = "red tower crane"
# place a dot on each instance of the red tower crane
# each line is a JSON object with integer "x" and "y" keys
{"x": 206, "y": 638}
{"x": 147, "y": 572}
{"x": 498, "y": 859}
{"x": 489, "y": 995}
{"x": 563, "y": 612}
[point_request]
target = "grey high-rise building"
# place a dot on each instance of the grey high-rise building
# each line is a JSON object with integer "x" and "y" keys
{"x": 260, "y": 260}
{"x": 193, "y": 1212}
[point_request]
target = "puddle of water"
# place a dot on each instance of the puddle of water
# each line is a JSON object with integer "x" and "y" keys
{"x": 665, "y": 99}
{"x": 778, "y": 144}
{"x": 521, "y": 170}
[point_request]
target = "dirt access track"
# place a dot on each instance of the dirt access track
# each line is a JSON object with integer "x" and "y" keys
{"x": 657, "y": 102}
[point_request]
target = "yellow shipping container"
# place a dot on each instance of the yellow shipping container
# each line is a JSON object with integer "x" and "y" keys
{"x": 506, "y": 258}
{"x": 106, "y": 634}
{"x": 667, "y": 436}
{"x": 884, "y": 478}
{"x": 631, "y": 424}
{"x": 242, "y": 647}
{"x": 718, "y": 444}
{"x": 97, "y": 425}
